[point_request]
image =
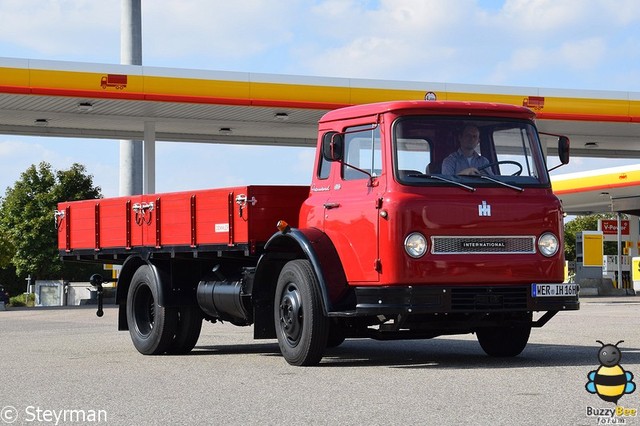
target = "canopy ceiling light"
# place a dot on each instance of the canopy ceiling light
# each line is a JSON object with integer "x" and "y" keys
{"x": 85, "y": 106}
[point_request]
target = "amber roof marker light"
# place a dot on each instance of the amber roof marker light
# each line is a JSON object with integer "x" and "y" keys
{"x": 283, "y": 226}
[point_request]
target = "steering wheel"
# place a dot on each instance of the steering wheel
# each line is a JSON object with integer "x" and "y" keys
{"x": 495, "y": 163}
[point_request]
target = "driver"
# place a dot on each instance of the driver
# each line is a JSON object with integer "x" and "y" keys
{"x": 466, "y": 161}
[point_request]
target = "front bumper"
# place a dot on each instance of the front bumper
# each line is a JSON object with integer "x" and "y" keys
{"x": 392, "y": 300}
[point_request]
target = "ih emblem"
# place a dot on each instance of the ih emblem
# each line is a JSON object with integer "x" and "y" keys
{"x": 484, "y": 209}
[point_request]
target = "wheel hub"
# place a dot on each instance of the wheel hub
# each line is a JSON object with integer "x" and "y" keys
{"x": 144, "y": 310}
{"x": 291, "y": 313}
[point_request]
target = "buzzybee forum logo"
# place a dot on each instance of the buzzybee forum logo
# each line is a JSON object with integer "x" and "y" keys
{"x": 610, "y": 381}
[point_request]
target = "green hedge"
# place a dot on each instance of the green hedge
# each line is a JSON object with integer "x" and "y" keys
{"x": 22, "y": 300}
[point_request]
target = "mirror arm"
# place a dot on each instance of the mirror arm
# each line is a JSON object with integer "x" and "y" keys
{"x": 556, "y": 167}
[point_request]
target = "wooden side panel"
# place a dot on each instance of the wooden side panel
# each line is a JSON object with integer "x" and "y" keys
{"x": 80, "y": 220}
{"x": 227, "y": 216}
{"x": 169, "y": 222}
{"x": 61, "y": 222}
{"x": 117, "y": 223}
{"x": 193, "y": 218}
{"x": 274, "y": 203}
{"x": 215, "y": 217}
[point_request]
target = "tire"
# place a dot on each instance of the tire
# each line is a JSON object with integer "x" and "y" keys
{"x": 301, "y": 327}
{"x": 503, "y": 341}
{"x": 189, "y": 324}
{"x": 151, "y": 326}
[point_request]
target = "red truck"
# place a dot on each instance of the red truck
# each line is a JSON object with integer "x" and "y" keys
{"x": 381, "y": 245}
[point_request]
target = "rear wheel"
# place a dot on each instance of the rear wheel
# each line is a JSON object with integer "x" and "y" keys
{"x": 151, "y": 326}
{"x": 504, "y": 341}
{"x": 189, "y": 324}
{"x": 301, "y": 326}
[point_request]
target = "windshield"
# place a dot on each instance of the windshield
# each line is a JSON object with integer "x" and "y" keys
{"x": 476, "y": 151}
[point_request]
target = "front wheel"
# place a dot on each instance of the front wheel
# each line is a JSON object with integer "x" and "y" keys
{"x": 336, "y": 335}
{"x": 301, "y": 326}
{"x": 152, "y": 327}
{"x": 504, "y": 341}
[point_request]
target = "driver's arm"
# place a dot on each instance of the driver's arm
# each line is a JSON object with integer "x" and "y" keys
{"x": 471, "y": 171}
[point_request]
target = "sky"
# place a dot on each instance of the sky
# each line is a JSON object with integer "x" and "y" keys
{"x": 569, "y": 44}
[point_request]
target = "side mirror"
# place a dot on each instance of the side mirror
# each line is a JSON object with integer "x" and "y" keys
{"x": 333, "y": 146}
{"x": 563, "y": 149}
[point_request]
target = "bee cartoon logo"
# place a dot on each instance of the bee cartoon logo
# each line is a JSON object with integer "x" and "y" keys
{"x": 610, "y": 381}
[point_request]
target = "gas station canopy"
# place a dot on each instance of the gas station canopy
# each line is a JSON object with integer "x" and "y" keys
{"x": 88, "y": 100}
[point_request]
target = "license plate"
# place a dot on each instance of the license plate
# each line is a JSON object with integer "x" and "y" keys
{"x": 554, "y": 290}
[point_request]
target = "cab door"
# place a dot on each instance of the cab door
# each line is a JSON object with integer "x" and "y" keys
{"x": 351, "y": 216}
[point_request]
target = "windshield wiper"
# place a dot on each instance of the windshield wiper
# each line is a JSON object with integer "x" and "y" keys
{"x": 515, "y": 188}
{"x": 440, "y": 178}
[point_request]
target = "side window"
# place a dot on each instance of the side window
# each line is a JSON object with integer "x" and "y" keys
{"x": 324, "y": 167}
{"x": 362, "y": 150}
{"x": 513, "y": 150}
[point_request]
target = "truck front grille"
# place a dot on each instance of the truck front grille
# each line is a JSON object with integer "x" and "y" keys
{"x": 483, "y": 245}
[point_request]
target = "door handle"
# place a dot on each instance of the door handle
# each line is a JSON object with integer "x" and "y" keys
{"x": 331, "y": 205}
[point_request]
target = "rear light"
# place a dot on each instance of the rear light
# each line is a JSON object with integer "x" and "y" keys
{"x": 415, "y": 245}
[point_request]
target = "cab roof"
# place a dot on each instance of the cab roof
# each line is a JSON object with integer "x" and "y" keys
{"x": 457, "y": 108}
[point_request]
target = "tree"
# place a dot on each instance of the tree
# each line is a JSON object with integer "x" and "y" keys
{"x": 6, "y": 248}
{"x": 8, "y": 277}
{"x": 26, "y": 216}
{"x": 585, "y": 223}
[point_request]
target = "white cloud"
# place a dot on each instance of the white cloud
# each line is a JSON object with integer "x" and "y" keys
{"x": 539, "y": 17}
{"x": 62, "y": 28}
{"x": 99, "y": 157}
{"x": 464, "y": 41}
{"x": 583, "y": 54}
{"x": 186, "y": 166}
{"x": 400, "y": 39}
{"x": 460, "y": 41}
{"x": 569, "y": 58}
{"x": 216, "y": 30}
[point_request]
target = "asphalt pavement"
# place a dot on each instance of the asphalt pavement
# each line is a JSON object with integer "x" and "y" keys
{"x": 66, "y": 366}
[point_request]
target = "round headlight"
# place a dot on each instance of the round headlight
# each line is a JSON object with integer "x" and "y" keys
{"x": 415, "y": 244}
{"x": 548, "y": 244}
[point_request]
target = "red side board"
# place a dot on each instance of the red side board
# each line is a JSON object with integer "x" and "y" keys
{"x": 227, "y": 216}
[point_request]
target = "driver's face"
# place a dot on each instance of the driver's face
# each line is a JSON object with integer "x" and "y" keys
{"x": 469, "y": 138}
